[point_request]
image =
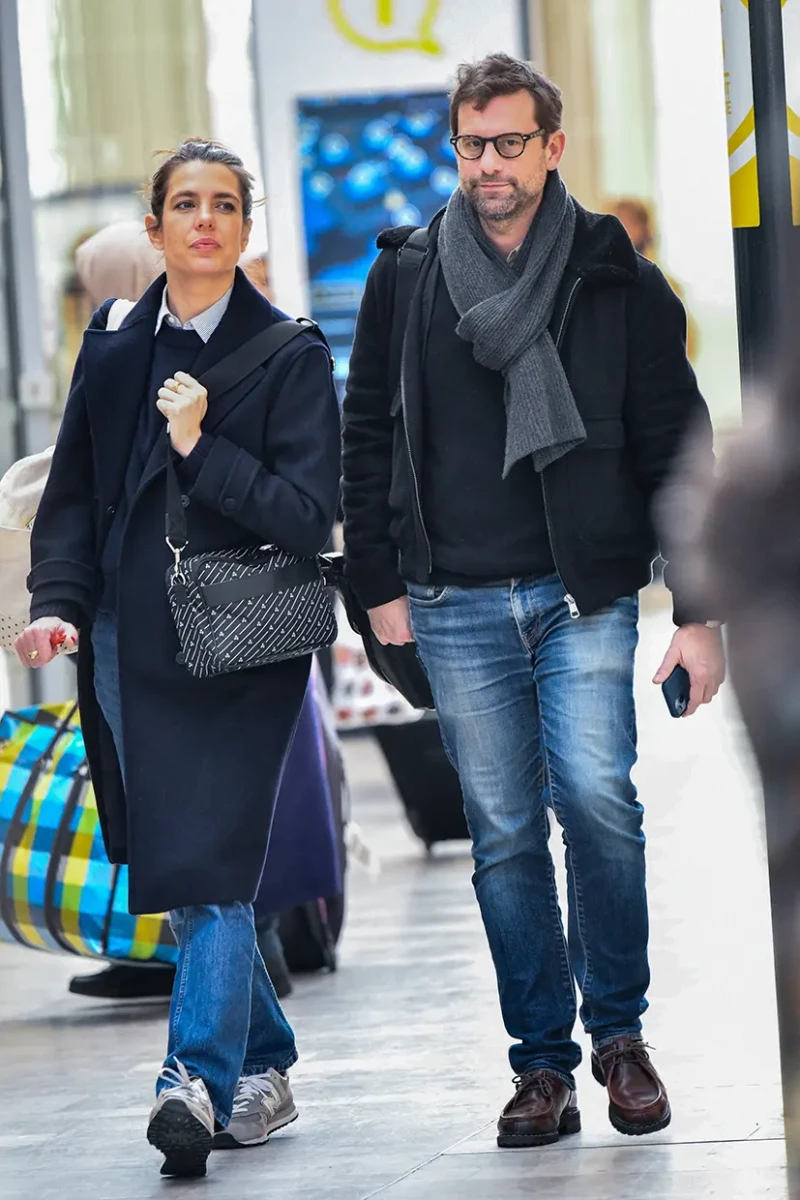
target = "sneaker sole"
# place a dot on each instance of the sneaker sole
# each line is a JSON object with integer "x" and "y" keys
{"x": 570, "y": 1124}
{"x": 182, "y": 1139}
{"x": 226, "y": 1140}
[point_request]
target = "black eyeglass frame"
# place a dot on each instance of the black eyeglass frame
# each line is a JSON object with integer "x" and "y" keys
{"x": 526, "y": 137}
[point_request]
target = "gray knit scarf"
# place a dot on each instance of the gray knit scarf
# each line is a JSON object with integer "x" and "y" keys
{"x": 505, "y": 309}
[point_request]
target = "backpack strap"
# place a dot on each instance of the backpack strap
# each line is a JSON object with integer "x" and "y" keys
{"x": 117, "y": 313}
{"x": 410, "y": 258}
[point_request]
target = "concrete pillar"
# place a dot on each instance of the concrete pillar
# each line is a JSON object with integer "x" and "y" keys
{"x": 562, "y": 45}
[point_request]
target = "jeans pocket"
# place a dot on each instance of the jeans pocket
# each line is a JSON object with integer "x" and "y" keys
{"x": 426, "y": 595}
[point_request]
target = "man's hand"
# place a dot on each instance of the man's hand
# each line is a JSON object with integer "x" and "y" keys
{"x": 184, "y": 402}
{"x": 701, "y": 652}
{"x": 44, "y": 640}
{"x": 390, "y": 622}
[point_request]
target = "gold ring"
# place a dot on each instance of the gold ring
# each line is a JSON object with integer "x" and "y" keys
{"x": 33, "y": 654}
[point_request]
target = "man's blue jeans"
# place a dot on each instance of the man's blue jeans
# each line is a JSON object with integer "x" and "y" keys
{"x": 537, "y": 711}
{"x": 225, "y": 1019}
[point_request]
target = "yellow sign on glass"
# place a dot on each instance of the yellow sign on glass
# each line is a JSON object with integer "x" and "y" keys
{"x": 742, "y": 148}
{"x": 387, "y": 26}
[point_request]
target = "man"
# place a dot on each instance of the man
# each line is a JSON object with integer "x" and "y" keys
{"x": 498, "y": 491}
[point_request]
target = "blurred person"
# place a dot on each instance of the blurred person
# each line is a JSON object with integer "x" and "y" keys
{"x": 639, "y": 224}
{"x": 115, "y": 260}
{"x": 119, "y": 260}
{"x": 498, "y": 494}
{"x": 186, "y": 770}
{"x": 255, "y": 265}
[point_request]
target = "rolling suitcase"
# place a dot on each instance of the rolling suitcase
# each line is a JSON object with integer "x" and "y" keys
{"x": 425, "y": 779}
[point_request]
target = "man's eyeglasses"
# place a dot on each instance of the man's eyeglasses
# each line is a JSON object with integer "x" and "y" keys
{"x": 507, "y": 145}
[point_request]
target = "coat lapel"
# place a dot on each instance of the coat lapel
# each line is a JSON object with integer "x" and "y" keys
{"x": 248, "y": 314}
{"x": 116, "y": 369}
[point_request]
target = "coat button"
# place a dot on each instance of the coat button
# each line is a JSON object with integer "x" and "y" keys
{"x": 185, "y": 501}
{"x": 180, "y": 659}
{"x": 110, "y": 511}
{"x": 228, "y": 505}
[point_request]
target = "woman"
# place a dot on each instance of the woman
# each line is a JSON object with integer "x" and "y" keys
{"x": 201, "y": 759}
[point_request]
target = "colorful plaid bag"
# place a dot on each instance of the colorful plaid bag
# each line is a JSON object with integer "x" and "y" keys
{"x": 58, "y": 890}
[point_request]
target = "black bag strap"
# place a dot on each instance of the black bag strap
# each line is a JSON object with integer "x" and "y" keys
{"x": 410, "y": 258}
{"x": 236, "y": 366}
{"x": 223, "y": 376}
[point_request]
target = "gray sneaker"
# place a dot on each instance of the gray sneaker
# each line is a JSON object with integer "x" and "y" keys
{"x": 182, "y": 1124}
{"x": 263, "y": 1104}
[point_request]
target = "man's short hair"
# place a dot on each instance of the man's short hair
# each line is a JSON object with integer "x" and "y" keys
{"x": 480, "y": 82}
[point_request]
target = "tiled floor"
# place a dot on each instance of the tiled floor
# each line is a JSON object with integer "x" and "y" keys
{"x": 403, "y": 1065}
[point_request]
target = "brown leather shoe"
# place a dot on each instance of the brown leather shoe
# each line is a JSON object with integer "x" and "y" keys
{"x": 638, "y": 1101}
{"x": 542, "y": 1110}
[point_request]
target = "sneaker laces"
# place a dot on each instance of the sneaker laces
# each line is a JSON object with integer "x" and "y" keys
{"x": 179, "y": 1080}
{"x": 255, "y": 1087}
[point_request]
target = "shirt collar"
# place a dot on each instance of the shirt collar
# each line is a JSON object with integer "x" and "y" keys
{"x": 204, "y": 324}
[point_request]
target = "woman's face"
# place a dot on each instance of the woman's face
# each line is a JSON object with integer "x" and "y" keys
{"x": 203, "y": 230}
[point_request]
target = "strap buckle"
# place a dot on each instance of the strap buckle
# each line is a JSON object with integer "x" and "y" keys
{"x": 177, "y": 551}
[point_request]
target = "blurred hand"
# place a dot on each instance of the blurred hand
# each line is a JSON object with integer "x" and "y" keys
{"x": 391, "y": 623}
{"x": 44, "y": 640}
{"x": 702, "y": 653}
{"x": 184, "y": 402}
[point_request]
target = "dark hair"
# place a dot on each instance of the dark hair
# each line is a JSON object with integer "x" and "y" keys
{"x": 198, "y": 150}
{"x": 479, "y": 83}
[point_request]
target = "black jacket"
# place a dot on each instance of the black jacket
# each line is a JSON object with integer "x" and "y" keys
{"x": 621, "y": 334}
{"x": 204, "y": 757}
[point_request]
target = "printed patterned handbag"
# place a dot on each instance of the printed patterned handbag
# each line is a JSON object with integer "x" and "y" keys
{"x": 253, "y": 605}
{"x": 58, "y": 890}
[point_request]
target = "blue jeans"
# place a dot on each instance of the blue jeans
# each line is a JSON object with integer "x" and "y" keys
{"x": 225, "y": 1019}
{"x": 537, "y": 713}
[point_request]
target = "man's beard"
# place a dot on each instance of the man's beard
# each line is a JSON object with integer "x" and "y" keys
{"x": 513, "y": 203}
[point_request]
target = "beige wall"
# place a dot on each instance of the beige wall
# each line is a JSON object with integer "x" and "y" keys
{"x": 561, "y": 35}
{"x": 130, "y": 80}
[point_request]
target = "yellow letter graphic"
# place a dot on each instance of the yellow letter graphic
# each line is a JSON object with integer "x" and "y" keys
{"x": 423, "y": 39}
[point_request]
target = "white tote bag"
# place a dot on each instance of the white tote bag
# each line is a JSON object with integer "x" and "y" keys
{"x": 21, "y": 490}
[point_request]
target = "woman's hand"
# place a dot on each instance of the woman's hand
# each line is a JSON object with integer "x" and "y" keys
{"x": 44, "y": 640}
{"x": 184, "y": 402}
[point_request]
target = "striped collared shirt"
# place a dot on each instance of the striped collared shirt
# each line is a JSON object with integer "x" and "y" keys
{"x": 204, "y": 324}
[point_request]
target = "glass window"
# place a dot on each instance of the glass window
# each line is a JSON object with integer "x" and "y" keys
{"x": 108, "y": 86}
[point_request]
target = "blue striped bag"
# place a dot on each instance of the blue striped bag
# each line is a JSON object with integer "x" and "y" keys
{"x": 58, "y": 890}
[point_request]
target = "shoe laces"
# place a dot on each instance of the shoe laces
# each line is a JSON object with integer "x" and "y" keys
{"x": 255, "y": 1087}
{"x": 535, "y": 1081}
{"x": 636, "y": 1053}
{"x": 181, "y": 1083}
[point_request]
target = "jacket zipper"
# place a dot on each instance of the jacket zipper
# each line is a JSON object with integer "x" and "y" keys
{"x": 411, "y": 460}
{"x": 569, "y": 599}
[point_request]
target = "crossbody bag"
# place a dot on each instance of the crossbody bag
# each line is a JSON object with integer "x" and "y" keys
{"x": 253, "y": 605}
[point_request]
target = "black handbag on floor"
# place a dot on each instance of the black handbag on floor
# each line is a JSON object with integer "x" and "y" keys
{"x": 253, "y": 605}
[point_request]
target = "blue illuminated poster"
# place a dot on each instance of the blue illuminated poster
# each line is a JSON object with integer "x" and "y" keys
{"x": 368, "y": 162}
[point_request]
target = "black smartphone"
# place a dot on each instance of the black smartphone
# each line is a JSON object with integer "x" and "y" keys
{"x": 676, "y": 691}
